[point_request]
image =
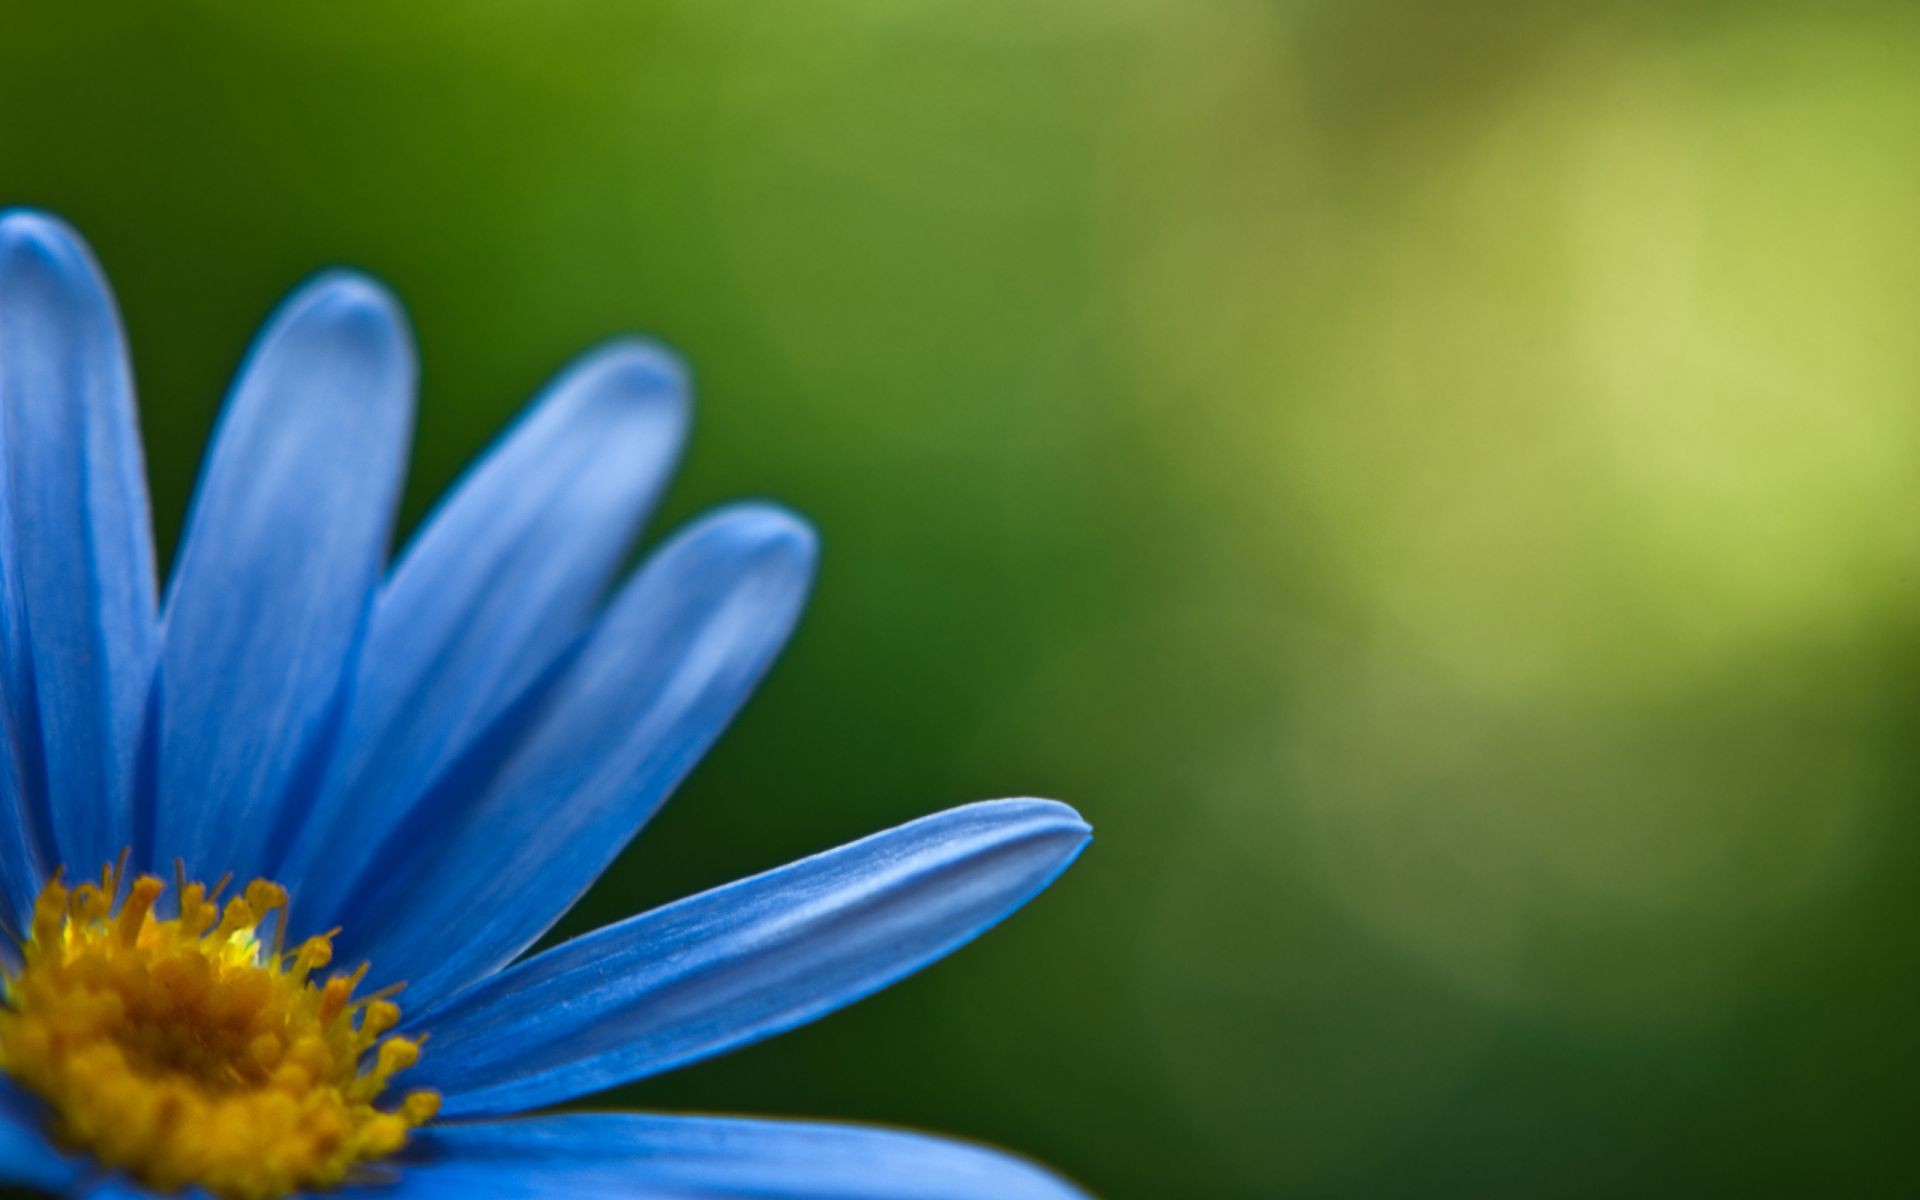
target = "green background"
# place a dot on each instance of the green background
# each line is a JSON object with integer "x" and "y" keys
{"x": 1438, "y": 485}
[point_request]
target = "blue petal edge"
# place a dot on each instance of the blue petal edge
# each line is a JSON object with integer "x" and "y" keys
{"x": 742, "y": 962}
{"x": 27, "y": 1158}
{"x": 652, "y": 1157}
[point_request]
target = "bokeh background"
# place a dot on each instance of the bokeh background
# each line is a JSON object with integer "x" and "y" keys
{"x": 1438, "y": 484}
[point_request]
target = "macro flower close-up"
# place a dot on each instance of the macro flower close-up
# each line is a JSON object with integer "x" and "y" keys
{"x": 278, "y": 840}
{"x": 1429, "y": 483}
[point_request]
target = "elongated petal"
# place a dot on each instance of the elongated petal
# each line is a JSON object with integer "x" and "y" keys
{"x": 24, "y": 853}
{"x": 83, "y": 553}
{"x": 741, "y": 962}
{"x": 27, "y": 1159}
{"x": 600, "y": 1156}
{"x": 664, "y": 671}
{"x": 500, "y": 580}
{"x": 282, "y": 551}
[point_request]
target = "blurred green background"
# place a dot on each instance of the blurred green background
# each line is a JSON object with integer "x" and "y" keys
{"x": 1437, "y": 484}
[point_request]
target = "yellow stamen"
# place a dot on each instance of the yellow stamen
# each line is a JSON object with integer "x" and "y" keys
{"x": 191, "y": 1052}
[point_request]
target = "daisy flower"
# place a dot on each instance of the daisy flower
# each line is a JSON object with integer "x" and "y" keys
{"x": 274, "y": 845}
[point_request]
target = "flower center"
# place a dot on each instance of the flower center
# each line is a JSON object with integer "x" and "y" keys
{"x": 188, "y": 1051}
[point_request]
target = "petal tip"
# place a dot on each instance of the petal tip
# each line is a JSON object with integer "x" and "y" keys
{"x": 770, "y": 530}
{"x": 347, "y": 313}
{"x": 639, "y": 386}
{"x": 38, "y": 246}
{"x": 34, "y": 228}
{"x": 351, "y": 301}
{"x": 1058, "y": 817}
{"x": 1041, "y": 808}
{"x": 641, "y": 366}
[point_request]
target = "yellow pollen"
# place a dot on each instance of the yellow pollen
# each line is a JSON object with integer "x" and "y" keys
{"x": 190, "y": 1052}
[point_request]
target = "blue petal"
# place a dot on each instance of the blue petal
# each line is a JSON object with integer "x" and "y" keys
{"x": 600, "y": 1156}
{"x": 81, "y": 548}
{"x": 283, "y": 547}
{"x": 23, "y": 856}
{"x": 490, "y": 859}
{"x": 119, "y": 1187}
{"x": 496, "y": 585}
{"x": 741, "y": 962}
{"x": 27, "y": 1159}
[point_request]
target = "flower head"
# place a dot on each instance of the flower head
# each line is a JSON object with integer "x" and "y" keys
{"x": 418, "y": 768}
{"x": 190, "y": 1051}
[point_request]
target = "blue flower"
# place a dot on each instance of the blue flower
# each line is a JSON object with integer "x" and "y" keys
{"x": 434, "y": 760}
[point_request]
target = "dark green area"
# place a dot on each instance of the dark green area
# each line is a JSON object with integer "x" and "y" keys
{"x": 1435, "y": 484}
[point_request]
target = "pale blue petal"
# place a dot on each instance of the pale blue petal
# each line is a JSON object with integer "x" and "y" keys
{"x": 741, "y": 962}
{"x": 81, "y": 552}
{"x": 601, "y": 1156}
{"x": 27, "y": 1159}
{"x": 283, "y": 548}
{"x": 489, "y": 860}
{"x": 499, "y": 581}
